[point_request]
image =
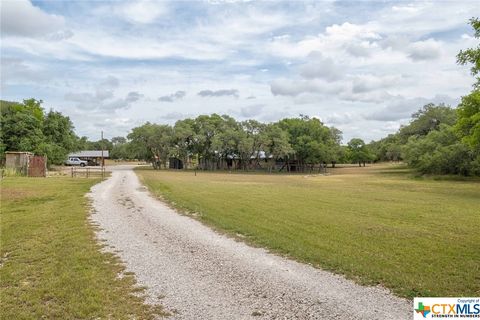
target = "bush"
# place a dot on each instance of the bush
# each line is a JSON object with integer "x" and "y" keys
{"x": 441, "y": 152}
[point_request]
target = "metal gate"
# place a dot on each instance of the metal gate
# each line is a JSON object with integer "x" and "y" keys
{"x": 37, "y": 166}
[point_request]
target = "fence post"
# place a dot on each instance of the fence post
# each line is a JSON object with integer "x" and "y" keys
{"x": 72, "y": 171}
{"x": 88, "y": 170}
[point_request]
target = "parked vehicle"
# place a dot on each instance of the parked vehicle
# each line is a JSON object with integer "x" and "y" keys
{"x": 76, "y": 162}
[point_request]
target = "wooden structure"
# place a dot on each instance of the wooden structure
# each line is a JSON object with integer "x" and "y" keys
{"x": 37, "y": 166}
{"x": 94, "y": 157}
{"x": 18, "y": 161}
{"x": 78, "y": 172}
{"x": 26, "y": 163}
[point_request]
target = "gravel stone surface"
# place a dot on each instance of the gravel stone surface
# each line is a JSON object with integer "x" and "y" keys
{"x": 197, "y": 273}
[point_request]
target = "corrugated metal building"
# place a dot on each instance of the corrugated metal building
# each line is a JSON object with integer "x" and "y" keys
{"x": 94, "y": 157}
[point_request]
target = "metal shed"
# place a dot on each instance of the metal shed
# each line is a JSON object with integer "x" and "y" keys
{"x": 94, "y": 157}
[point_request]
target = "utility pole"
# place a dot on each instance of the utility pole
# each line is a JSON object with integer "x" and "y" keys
{"x": 103, "y": 161}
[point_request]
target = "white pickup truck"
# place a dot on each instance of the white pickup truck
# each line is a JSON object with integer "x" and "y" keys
{"x": 76, "y": 162}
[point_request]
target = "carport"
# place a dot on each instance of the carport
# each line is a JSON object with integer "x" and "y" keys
{"x": 94, "y": 157}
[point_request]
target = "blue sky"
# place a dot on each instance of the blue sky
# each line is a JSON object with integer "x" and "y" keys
{"x": 361, "y": 66}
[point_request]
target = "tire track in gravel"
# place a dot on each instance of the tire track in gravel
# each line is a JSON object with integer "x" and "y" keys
{"x": 197, "y": 273}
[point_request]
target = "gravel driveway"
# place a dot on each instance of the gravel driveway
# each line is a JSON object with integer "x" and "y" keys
{"x": 197, "y": 273}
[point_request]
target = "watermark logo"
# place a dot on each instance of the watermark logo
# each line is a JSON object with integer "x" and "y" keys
{"x": 451, "y": 308}
{"x": 424, "y": 310}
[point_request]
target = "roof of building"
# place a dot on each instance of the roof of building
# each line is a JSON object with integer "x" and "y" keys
{"x": 18, "y": 152}
{"x": 90, "y": 154}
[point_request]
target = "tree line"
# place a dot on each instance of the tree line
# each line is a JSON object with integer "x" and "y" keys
{"x": 208, "y": 141}
{"x": 439, "y": 139}
{"x": 215, "y": 141}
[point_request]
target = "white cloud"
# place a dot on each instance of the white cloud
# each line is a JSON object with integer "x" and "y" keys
{"x": 425, "y": 50}
{"x": 250, "y": 111}
{"x": 103, "y": 99}
{"x": 402, "y": 108}
{"x": 218, "y": 93}
{"x": 174, "y": 116}
{"x": 339, "y": 118}
{"x": 320, "y": 67}
{"x": 336, "y": 38}
{"x": 369, "y": 82}
{"x": 172, "y": 97}
{"x": 21, "y": 18}
{"x": 143, "y": 11}
{"x": 18, "y": 71}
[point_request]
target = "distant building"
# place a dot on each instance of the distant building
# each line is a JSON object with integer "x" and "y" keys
{"x": 94, "y": 157}
{"x": 175, "y": 163}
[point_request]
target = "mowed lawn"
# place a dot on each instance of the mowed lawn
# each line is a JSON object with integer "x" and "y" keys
{"x": 51, "y": 266}
{"x": 377, "y": 225}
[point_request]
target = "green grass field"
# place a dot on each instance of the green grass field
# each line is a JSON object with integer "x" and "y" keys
{"x": 51, "y": 266}
{"x": 380, "y": 225}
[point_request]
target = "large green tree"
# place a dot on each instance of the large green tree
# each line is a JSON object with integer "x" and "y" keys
{"x": 468, "y": 124}
{"x": 472, "y": 55}
{"x": 275, "y": 144}
{"x": 439, "y": 152}
{"x": 26, "y": 127}
{"x": 152, "y": 142}
{"x": 428, "y": 118}
{"x": 310, "y": 139}
{"x": 358, "y": 151}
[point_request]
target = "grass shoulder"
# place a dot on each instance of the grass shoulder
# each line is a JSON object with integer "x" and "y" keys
{"x": 51, "y": 263}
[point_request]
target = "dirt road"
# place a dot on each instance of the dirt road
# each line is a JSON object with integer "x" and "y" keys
{"x": 197, "y": 273}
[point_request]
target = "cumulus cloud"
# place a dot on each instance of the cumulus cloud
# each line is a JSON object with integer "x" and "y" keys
{"x": 362, "y": 87}
{"x": 89, "y": 101}
{"x": 334, "y": 40}
{"x": 320, "y": 67}
{"x": 395, "y": 42}
{"x": 133, "y": 96}
{"x": 376, "y": 97}
{"x": 219, "y": 93}
{"x": 110, "y": 82}
{"x": 104, "y": 90}
{"x": 363, "y": 49}
{"x": 142, "y": 12}
{"x": 103, "y": 93}
{"x": 103, "y": 97}
{"x": 287, "y": 87}
{"x": 18, "y": 70}
{"x": 251, "y": 111}
{"x": 22, "y": 18}
{"x": 174, "y": 116}
{"x": 336, "y": 118}
{"x": 369, "y": 82}
{"x": 425, "y": 50}
{"x": 402, "y": 108}
{"x": 173, "y": 97}
{"x": 80, "y": 97}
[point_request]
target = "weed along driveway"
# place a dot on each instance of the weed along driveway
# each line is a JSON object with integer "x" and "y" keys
{"x": 197, "y": 273}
